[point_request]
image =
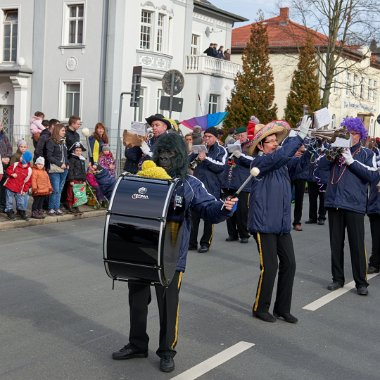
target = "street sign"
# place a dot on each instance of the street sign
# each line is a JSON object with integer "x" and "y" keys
{"x": 173, "y": 82}
{"x": 136, "y": 86}
{"x": 177, "y": 104}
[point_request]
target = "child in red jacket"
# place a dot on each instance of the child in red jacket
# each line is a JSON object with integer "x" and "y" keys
{"x": 17, "y": 185}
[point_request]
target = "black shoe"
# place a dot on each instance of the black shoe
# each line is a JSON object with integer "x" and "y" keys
{"x": 244, "y": 240}
{"x": 372, "y": 269}
{"x": 70, "y": 210}
{"x": 167, "y": 363}
{"x": 192, "y": 248}
{"x": 362, "y": 290}
{"x": 23, "y": 215}
{"x": 334, "y": 285}
{"x": 203, "y": 249}
{"x": 311, "y": 221}
{"x": 11, "y": 215}
{"x": 286, "y": 316}
{"x": 231, "y": 238}
{"x": 321, "y": 222}
{"x": 264, "y": 316}
{"x": 297, "y": 227}
{"x": 129, "y": 352}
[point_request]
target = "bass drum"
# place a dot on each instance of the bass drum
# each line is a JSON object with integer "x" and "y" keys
{"x": 143, "y": 230}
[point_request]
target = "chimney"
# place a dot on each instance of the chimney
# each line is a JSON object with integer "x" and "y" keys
{"x": 284, "y": 13}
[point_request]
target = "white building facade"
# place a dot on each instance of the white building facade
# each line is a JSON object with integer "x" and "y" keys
{"x": 67, "y": 57}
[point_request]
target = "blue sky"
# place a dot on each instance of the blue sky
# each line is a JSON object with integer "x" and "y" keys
{"x": 249, "y": 8}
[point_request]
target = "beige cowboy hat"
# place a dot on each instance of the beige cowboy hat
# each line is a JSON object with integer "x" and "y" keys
{"x": 278, "y": 127}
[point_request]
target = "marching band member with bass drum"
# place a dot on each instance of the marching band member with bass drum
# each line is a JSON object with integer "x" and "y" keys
{"x": 170, "y": 153}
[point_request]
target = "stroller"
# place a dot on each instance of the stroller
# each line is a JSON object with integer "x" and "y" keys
{"x": 96, "y": 198}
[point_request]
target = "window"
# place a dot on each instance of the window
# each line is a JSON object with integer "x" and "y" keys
{"x": 374, "y": 90}
{"x": 362, "y": 88}
{"x": 146, "y": 30}
{"x": 370, "y": 93}
{"x": 160, "y": 31}
{"x": 10, "y": 35}
{"x": 142, "y": 104}
{"x": 348, "y": 84}
{"x": 71, "y": 99}
{"x": 160, "y": 93}
{"x": 74, "y": 24}
{"x": 213, "y": 103}
{"x": 194, "y": 44}
{"x": 355, "y": 89}
{"x": 153, "y": 31}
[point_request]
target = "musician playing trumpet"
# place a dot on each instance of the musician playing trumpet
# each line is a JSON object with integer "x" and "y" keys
{"x": 269, "y": 218}
{"x": 209, "y": 169}
{"x": 236, "y": 171}
{"x": 346, "y": 202}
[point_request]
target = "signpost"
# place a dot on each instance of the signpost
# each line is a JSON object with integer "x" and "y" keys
{"x": 172, "y": 83}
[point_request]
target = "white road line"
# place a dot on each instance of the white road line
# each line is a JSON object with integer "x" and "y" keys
{"x": 333, "y": 295}
{"x": 213, "y": 362}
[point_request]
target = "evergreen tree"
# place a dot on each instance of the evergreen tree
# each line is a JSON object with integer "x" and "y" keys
{"x": 254, "y": 88}
{"x": 304, "y": 88}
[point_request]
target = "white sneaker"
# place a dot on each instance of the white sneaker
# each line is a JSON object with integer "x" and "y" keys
{"x": 59, "y": 212}
{"x": 51, "y": 212}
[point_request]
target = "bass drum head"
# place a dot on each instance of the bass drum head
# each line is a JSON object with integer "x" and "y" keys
{"x": 143, "y": 230}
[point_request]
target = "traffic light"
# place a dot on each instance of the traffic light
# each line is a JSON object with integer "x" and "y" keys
{"x": 136, "y": 86}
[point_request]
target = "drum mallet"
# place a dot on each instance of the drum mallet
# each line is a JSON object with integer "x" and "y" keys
{"x": 254, "y": 172}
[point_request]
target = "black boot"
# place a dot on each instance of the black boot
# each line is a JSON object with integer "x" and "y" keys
{"x": 23, "y": 215}
{"x": 11, "y": 215}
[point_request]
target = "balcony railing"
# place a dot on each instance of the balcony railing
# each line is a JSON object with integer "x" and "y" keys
{"x": 211, "y": 66}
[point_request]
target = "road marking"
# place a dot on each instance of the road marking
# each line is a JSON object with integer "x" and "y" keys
{"x": 213, "y": 362}
{"x": 333, "y": 295}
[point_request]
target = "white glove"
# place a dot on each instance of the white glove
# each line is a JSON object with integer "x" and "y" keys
{"x": 304, "y": 127}
{"x": 347, "y": 156}
{"x": 145, "y": 149}
{"x": 237, "y": 153}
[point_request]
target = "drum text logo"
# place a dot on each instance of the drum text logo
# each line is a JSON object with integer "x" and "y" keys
{"x": 141, "y": 193}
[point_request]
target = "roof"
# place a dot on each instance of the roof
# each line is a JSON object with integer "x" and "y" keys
{"x": 282, "y": 33}
{"x": 206, "y": 5}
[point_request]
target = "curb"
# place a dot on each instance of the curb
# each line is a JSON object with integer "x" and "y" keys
{"x": 8, "y": 225}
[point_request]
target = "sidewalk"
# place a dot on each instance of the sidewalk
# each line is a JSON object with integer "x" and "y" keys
{"x": 88, "y": 212}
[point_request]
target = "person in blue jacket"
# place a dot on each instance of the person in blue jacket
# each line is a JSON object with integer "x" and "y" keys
{"x": 299, "y": 171}
{"x": 235, "y": 173}
{"x": 373, "y": 212}
{"x": 269, "y": 219}
{"x": 209, "y": 171}
{"x": 346, "y": 202}
{"x": 169, "y": 152}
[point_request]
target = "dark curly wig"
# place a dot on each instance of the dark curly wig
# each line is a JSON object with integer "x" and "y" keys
{"x": 171, "y": 142}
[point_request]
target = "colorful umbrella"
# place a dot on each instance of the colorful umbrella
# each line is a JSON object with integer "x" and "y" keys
{"x": 206, "y": 121}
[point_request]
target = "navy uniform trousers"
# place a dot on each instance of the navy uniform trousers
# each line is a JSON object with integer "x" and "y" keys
{"x": 339, "y": 220}
{"x": 237, "y": 223}
{"x": 168, "y": 307}
{"x": 374, "y": 220}
{"x": 276, "y": 253}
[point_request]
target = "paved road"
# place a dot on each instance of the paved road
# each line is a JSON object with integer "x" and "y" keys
{"x": 60, "y": 319}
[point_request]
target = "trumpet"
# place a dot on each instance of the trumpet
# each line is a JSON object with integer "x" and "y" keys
{"x": 193, "y": 164}
{"x": 329, "y": 135}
